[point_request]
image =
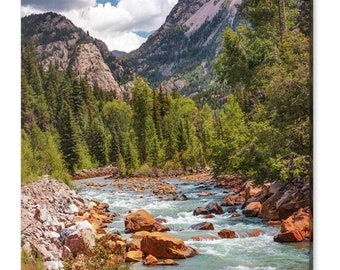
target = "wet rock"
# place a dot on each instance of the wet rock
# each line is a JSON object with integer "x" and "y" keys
{"x": 182, "y": 197}
{"x": 214, "y": 208}
{"x": 203, "y": 226}
{"x": 291, "y": 236}
{"x": 200, "y": 211}
{"x": 225, "y": 233}
{"x": 231, "y": 200}
{"x": 296, "y": 228}
{"x": 141, "y": 220}
{"x": 161, "y": 245}
{"x": 253, "y": 209}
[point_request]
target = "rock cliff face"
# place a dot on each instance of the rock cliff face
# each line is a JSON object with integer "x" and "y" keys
{"x": 60, "y": 42}
{"x": 182, "y": 51}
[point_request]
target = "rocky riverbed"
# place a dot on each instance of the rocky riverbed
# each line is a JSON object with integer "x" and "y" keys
{"x": 60, "y": 225}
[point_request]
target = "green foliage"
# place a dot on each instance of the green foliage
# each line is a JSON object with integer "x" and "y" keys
{"x": 267, "y": 63}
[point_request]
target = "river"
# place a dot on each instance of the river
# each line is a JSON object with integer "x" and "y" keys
{"x": 242, "y": 253}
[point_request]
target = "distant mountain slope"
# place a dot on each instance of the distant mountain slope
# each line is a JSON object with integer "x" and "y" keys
{"x": 182, "y": 51}
{"x": 60, "y": 42}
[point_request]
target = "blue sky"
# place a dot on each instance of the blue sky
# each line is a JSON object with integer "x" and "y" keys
{"x": 122, "y": 24}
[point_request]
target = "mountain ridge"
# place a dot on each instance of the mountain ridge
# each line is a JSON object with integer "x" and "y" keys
{"x": 180, "y": 54}
{"x": 60, "y": 42}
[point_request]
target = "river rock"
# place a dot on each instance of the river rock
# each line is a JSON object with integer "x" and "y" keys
{"x": 214, "y": 208}
{"x": 231, "y": 200}
{"x": 203, "y": 226}
{"x": 136, "y": 238}
{"x": 296, "y": 228}
{"x": 253, "y": 209}
{"x": 200, "y": 211}
{"x": 225, "y": 233}
{"x": 161, "y": 245}
{"x": 134, "y": 256}
{"x": 141, "y": 220}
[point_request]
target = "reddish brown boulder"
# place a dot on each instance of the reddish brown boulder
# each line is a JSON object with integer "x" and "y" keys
{"x": 296, "y": 228}
{"x": 136, "y": 238}
{"x": 291, "y": 236}
{"x": 253, "y": 209}
{"x": 141, "y": 220}
{"x": 300, "y": 221}
{"x": 203, "y": 226}
{"x": 231, "y": 200}
{"x": 150, "y": 260}
{"x": 161, "y": 245}
{"x": 214, "y": 208}
{"x": 225, "y": 233}
{"x": 200, "y": 211}
{"x": 134, "y": 256}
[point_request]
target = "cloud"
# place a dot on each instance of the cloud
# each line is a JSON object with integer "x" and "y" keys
{"x": 58, "y": 5}
{"x": 115, "y": 25}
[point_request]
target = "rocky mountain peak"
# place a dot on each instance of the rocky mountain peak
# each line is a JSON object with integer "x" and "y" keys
{"x": 60, "y": 42}
{"x": 181, "y": 52}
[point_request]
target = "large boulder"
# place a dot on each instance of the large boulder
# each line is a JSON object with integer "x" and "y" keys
{"x": 297, "y": 227}
{"x": 231, "y": 200}
{"x": 253, "y": 209}
{"x": 225, "y": 233}
{"x": 203, "y": 226}
{"x": 200, "y": 211}
{"x": 214, "y": 208}
{"x": 161, "y": 245}
{"x": 141, "y": 220}
{"x": 282, "y": 200}
{"x": 80, "y": 237}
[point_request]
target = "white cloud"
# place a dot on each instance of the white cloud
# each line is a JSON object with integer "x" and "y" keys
{"x": 115, "y": 25}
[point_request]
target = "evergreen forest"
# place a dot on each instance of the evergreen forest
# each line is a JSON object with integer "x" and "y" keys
{"x": 260, "y": 127}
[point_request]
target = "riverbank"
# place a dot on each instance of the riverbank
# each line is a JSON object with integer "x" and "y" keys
{"x": 58, "y": 224}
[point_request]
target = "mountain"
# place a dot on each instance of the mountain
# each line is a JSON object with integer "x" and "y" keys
{"x": 118, "y": 53}
{"x": 180, "y": 54}
{"x": 60, "y": 42}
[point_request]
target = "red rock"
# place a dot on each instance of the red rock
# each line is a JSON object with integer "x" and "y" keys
{"x": 225, "y": 233}
{"x": 299, "y": 221}
{"x": 161, "y": 245}
{"x": 134, "y": 256}
{"x": 253, "y": 209}
{"x": 75, "y": 243}
{"x": 150, "y": 260}
{"x": 231, "y": 200}
{"x": 214, "y": 208}
{"x": 291, "y": 236}
{"x": 236, "y": 215}
{"x": 200, "y": 211}
{"x": 203, "y": 226}
{"x": 141, "y": 220}
{"x": 136, "y": 238}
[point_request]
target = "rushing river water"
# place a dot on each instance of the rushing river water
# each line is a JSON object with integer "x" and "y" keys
{"x": 242, "y": 253}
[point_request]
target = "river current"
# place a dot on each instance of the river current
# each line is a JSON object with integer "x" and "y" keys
{"x": 242, "y": 253}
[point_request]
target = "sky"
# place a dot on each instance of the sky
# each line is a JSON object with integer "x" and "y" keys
{"x": 122, "y": 24}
